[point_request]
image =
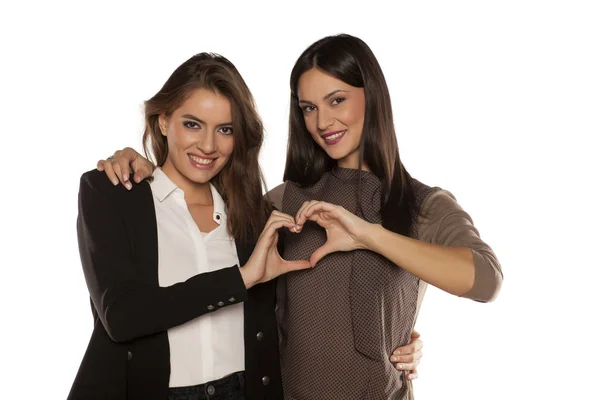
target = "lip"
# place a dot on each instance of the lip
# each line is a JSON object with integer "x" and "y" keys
{"x": 331, "y": 142}
{"x": 326, "y": 135}
{"x": 201, "y": 166}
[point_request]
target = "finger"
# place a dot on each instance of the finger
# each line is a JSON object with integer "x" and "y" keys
{"x": 320, "y": 253}
{"x": 310, "y": 213}
{"x": 271, "y": 228}
{"x": 125, "y": 167}
{"x": 142, "y": 168}
{"x": 301, "y": 210}
{"x": 412, "y": 375}
{"x": 118, "y": 173}
{"x": 277, "y": 215}
{"x": 405, "y": 366}
{"x": 409, "y": 348}
{"x": 415, "y": 335}
{"x": 100, "y": 165}
{"x": 301, "y": 215}
{"x": 110, "y": 173}
{"x": 408, "y": 358}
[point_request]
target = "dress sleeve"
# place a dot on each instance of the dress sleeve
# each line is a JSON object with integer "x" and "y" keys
{"x": 442, "y": 221}
{"x": 275, "y": 196}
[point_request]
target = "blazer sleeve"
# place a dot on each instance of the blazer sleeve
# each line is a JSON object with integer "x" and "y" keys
{"x": 444, "y": 222}
{"x": 128, "y": 305}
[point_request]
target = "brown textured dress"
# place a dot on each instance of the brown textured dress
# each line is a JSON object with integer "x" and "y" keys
{"x": 340, "y": 321}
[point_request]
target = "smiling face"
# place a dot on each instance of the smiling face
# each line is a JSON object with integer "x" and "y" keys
{"x": 334, "y": 114}
{"x": 199, "y": 136}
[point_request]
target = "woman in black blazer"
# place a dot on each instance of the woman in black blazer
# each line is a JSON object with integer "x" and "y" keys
{"x": 205, "y": 134}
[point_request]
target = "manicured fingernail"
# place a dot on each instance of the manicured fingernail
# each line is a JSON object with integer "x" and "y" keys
{"x": 125, "y": 177}
{"x": 137, "y": 179}
{"x": 115, "y": 182}
{"x": 394, "y": 358}
{"x": 128, "y": 186}
{"x": 398, "y": 366}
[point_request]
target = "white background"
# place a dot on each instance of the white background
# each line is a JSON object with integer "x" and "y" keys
{"x": 497, "y": 101}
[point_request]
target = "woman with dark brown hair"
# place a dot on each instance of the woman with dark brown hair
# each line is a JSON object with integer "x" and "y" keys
{"x": 378, "y": 235}
{"x": 173, "y": 267}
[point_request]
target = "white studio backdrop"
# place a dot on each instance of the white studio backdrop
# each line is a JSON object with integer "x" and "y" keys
{"x": 498, "y": 102}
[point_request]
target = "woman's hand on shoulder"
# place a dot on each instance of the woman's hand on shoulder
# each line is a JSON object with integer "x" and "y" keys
{"x": 119, "y": 166}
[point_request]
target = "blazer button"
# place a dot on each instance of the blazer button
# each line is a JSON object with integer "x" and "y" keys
{"x": 129, "y": 356}
{"x": 260, "y": 336}
{"x": 210, "y": 307}
{"x": 220, "y": 304}
{"x": 266, "y": 380}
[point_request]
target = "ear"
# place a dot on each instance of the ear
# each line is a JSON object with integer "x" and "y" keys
{"x": 162, "y": 123}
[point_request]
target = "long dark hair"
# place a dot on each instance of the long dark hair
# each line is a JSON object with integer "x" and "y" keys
{"x": 350, "y": 60}
{"x": 240, "y": 182}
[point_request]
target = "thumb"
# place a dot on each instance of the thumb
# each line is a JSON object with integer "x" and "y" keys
{"x": 296, "y": 265}
{"x": 415, "y": 335}
{"x": 321, "y": 252}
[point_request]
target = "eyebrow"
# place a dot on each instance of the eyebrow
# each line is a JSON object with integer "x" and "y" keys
{"x": 193, "y": 117}
{"x": 325, "y": 97}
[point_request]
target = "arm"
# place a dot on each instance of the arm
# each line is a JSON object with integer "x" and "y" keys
{"x": 130, "y": 307}
{"x": 456, "y": 260}
{"x": 450, "y": 256}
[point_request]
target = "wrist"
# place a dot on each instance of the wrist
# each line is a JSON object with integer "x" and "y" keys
{"x": 248, "y": 276}
{"x": 369, "y": 236}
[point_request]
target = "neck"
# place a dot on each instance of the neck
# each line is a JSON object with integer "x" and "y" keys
{"x": 352, "y": 164}
{"x": 194, "y": 192}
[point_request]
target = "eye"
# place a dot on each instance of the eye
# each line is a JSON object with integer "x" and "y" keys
{"x": 191, "y": 124}
{"x": 337, "y": 101}
{"x": 226, "y": 130}
{"x": 308, "y": 108}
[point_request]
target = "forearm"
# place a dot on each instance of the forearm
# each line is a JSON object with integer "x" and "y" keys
{"x": 448, "y": 268}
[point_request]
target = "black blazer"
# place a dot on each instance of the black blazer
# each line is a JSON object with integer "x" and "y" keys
{"x": 128, "y": 353}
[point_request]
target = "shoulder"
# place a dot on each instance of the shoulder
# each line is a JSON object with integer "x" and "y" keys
{"x": 439, "y": 202}
{"x": 96, "y": 183}
{"x": 275, "y": 196}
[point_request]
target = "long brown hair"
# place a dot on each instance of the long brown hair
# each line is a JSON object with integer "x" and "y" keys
{"x": 350, "y": 60}
{"x": 240, "y": 182}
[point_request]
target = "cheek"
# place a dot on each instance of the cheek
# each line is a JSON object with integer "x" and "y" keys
{"x": 354, "y": 117}
{"x": 311, "y": 124}
{"x": 226, "y": 145}
{"x": 178, "y": 139}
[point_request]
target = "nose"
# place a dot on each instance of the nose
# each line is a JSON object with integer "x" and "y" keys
{"x": 207, "y": 142}
{"x": 324, "y": 120}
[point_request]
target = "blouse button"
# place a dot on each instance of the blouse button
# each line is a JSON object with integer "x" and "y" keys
{"x": 210, "y": 307}
{"x": 129, "y": 356}
{"x": 265, "y": 380}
